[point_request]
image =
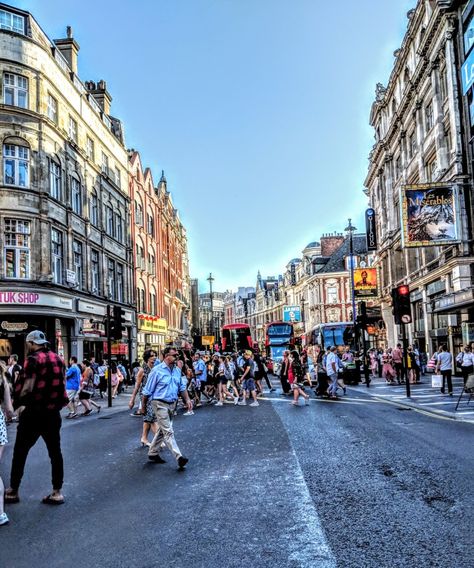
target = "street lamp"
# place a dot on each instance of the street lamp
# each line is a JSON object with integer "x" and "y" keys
{"x": 350, "y": 230}
{"x": 210, "y": 279}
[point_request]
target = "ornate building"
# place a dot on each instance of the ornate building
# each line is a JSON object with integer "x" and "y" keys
{"x": 417, "y": 124}
{"x": 161, "y": 261}
{"x": 64, "y": 205}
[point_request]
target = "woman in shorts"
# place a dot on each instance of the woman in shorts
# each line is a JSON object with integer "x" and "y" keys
{"x": 296, "y": 378}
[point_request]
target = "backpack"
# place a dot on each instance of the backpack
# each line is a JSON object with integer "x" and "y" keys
{"x": 228, "y": 372}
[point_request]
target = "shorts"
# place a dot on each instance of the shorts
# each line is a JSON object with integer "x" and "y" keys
{"x": 84, "y": 395}
{"x": 249, "y": 385}
{"x": 224, "y": 381}
{"x": 71, "y": 394}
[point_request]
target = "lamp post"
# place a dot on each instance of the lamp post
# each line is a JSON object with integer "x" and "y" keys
{"x": 350, "y": 230}
{"x": 211, "y": 280}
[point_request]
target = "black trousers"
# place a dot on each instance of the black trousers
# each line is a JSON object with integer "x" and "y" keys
{"x": 466, "y": 371}
{"x": 33, "y": 424}
{"x": 285, "y": 385}
{"x": 447, "y": 379}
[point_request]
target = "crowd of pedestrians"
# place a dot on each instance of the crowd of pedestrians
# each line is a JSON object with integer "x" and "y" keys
{"x": 44, "y": 386}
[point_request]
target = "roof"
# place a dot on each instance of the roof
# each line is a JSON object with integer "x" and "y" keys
{"x": 314, "y": 244}
{"x": 336, "y": 262}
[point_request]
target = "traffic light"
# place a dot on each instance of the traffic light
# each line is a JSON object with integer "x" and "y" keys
{"x": 362, "y": 316}
{"x": 117, "y": 323}
{"x": 401, "y": 304}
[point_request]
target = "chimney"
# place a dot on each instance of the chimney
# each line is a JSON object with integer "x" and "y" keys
{"x": 100, "y": 94}
{"x": 69, "y": 48}
{"x": 330, "y": 243}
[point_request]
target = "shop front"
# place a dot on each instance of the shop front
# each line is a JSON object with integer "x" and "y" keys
{"x": 152, "y": 333}
{"x": 22, "y": 311}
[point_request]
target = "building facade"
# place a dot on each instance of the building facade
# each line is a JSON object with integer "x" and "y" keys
{"x": 160, "y": 255}
{"x": 211, "y": 314}
{"x": 417, "y": 121}
{"x": 64, "y": 197}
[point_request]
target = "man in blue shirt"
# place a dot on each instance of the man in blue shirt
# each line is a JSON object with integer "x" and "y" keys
{"x": 73, "y": 379}
{"x": 165, "y": 383}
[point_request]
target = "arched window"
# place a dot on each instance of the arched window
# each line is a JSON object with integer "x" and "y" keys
{"x": 150, "y": 224}
{"x": 119, "y": 226}
{"x": 16, "y": 162}
{"x": 109, "y": 219}
{"x": 76, "y": 194}
{"x": 153, "y": 304}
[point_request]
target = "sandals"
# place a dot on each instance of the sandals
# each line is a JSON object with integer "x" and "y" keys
{"x": 50, "y": 500}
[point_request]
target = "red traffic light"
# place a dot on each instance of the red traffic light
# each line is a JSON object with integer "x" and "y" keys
{"x": 403, "y": 290}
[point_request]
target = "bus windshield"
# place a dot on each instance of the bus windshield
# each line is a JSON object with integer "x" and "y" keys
{"x": 279, "y": 329}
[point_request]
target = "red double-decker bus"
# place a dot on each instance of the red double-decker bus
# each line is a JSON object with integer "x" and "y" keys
{"x": 236, "y": 337}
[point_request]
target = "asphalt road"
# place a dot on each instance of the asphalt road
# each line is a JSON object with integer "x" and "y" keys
{"x": 357, "y": 483}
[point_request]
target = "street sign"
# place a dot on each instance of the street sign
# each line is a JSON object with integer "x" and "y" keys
{"x": 291, "y": 313}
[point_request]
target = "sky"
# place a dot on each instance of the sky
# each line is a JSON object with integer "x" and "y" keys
{"x": 257, "y": 111}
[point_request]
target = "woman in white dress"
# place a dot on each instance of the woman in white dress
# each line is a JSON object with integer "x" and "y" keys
{"x": 5, "y": 406}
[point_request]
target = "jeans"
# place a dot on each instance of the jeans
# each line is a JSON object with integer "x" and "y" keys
{"x": 33, "y": 423}
{"x": 332, "y": 389}
{"x": 164, "y": 412}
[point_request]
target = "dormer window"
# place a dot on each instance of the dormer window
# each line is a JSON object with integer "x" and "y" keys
{"x": 12, "y": 22}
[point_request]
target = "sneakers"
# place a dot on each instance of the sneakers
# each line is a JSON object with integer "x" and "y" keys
{"x": 242, "y": 403}
{"x": 220, "y": 403}
{"x": 72, "y": 415}
{"x": 236, "y": 400}
{"x": 188, "y": 413}
{"x": 182, "y": 461}
{"x": 255, "y": 403}
{"x": 4, "y": 520}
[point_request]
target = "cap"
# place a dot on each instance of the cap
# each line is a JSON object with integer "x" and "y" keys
{"x": 37, "y": 337}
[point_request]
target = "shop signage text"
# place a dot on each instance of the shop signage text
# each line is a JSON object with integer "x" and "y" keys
{"x": 35, "y": 299}
{"x": 14, "y": 326}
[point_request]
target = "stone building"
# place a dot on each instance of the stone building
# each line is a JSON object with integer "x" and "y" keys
{"x": 417, "y": 124}
{"x": 64, "y": 205}
{"x": 160, "y": 254}
{"x": 211, "y": 321}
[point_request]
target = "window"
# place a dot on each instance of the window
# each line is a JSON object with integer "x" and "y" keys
{"x": 94, "y": 210}
{"x": 105, "y": 164}
{"x": 111, "y": 284}
{"x": 431, "y": 170}
{"x": 140, "y": 257}
{"x": 72, "y": 131}
{"x": 332, "y": 295}
{"x": 109, "y": 214}
{"x": 95, "y": 272}
{"x": 138, "y": 214}
{"x": 57, "y": 253}
{"x": 117, "y": 177}
{"x": 150, "y": 225}
{"x": 78, "y": 263}
{"x": 118, "y": 227}
{"x": 90, "y": 150}
{"x": 412, "y": 144}
{"x": 15, "y": 90}
{"x": 398, "y": 167}
{"x": 447, "y": 137}
{"x": 469, "y": 36}
{"x": 443, "y": 84}
{"x": 54, "y": 179}
{"x": 153, "y": 304}
{"x": 52, "y": 110}
{"x": 17, "y": 248}
{"x": 12, "y": 22}
{"x": 120, "y": 285}
{"x": 76, "y": 196}
{"x": 141, "y": 303}
{"x": 429, "y": 117}
{"x": 151, "y": 263}
{"x": 15, "y": 165}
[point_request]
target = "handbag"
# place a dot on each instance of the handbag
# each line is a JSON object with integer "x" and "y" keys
{"x": 437, "y": 381}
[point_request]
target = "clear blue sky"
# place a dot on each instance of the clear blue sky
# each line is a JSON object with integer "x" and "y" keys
{"x": 257, "y": 110}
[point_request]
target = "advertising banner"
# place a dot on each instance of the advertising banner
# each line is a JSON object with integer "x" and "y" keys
{"x": 291, "y": 313}
{"x": 428, "y": 213}
{"x": 365, "y": 283}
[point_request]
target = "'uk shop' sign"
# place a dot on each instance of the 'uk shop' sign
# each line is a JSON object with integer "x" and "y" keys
{"x": 9, "y": 298}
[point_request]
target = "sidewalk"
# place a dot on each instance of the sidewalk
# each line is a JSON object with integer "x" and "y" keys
{"x": 423, "y": 397}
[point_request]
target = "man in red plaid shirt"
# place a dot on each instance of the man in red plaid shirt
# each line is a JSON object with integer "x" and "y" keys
{"x": 40, "y": 390}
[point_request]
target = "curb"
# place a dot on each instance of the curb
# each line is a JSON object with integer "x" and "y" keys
{"x": 414, "y": 406}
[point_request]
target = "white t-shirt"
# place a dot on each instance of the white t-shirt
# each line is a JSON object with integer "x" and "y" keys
{"x": 330, "y": 359}
{"x": 465, "y": 359}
